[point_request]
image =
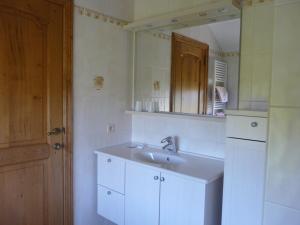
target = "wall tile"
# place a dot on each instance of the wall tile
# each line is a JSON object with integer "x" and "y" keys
{"x": 122, "y": 9}
{"x": 283, "y": 183}
{"x": 146, "y": 8}
{"x": 285, "y": 89}
{"x": 262, "y": 70}
{"x": 279, "y": 215}
{"x": 256, "y": 56}
{"x": 195, "y": 136}
{"x": 246, "y": 71}
{"x": 263, "y": 27}
{"x": 99, "y": 49}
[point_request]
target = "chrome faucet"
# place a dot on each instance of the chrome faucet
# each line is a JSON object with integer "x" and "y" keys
{"x": 171, "y": 144}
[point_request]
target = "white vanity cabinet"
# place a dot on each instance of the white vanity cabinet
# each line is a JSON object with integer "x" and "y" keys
{"x": 136, "y": 192}
{"x": 155, "y": 197}
{"x": 110, "y": 182}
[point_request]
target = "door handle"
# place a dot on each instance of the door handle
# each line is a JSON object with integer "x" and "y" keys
{"x": 56, "y": 131}
{"x": 57, "y": 146}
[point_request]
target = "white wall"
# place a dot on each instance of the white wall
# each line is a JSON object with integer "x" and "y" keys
{"x": 283, "y": 177}
{"x": 99, "y": 49}
{"x": 203, "y": 34}
{"x": 199, "y": 136}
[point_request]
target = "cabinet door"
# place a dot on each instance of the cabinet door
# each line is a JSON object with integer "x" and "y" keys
{"x": 110, "y": 204}
{"x": 244, "y": 177}
{"x": 111, "y": 172}
{"x": 141, "y": 195}
{"x": 182, "y": 201}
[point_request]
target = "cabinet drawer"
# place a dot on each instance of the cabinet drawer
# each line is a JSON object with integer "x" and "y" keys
{"x": 110, "y": 205}
{"x": 111, "y": 172}
{"x": 246, "y": 127}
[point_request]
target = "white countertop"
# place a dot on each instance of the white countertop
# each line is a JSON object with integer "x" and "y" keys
{"x": 203, "y": 168}
{"x": 262, "y": 114}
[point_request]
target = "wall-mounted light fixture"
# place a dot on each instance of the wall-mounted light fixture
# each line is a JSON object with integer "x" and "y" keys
{"x": 98, "y": 82}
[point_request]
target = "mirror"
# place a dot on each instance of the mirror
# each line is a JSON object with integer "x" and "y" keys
{"x": 188, "y": 69}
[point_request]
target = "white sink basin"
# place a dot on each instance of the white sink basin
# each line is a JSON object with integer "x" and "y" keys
{"x": 160, "y": 158}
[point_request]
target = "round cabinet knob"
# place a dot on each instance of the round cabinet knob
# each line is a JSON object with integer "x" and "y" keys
{"x": 155, "y": 177}
{"x": 254, "y": 124}
{"x": 162, "y": 179}
{"x": 109, "y": 160}
{"x": 109, "y": 193}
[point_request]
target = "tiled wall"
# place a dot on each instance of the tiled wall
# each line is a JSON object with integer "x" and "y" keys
{"x": 233, "y": 64}
{"x": 100, "y": 49}
{"x": 146, "y": 8}
{"x": 153, "y": 64}
{"x": 283, "y": 177}
{"x": 122, "y": 9}
{"x": 199, "y": 136}
{"x": 256, "y": 56}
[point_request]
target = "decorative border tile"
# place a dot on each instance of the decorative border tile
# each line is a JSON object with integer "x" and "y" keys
{"x": 253, "y": 2}
{"x": 99, "y": 16}
{"x": 230, "y": 54}
{"x": 215, "y": 53}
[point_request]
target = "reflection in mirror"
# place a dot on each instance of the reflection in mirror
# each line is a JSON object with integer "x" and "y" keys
{"x": 191, "y": 70}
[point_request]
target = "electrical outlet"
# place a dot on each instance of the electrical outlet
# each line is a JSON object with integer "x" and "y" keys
{"x": 111, "y": 128}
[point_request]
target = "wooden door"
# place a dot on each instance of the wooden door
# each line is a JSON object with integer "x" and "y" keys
{"x": 189, "y": 75}
{"x": 35, "y": 73}
{"x": 141, "y": 195}
{"x": 182, "y": 201}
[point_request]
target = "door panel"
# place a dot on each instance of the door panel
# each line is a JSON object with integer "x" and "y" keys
{"x": 189, "y": 75}
{"x": 190, "y": 83}
{"x": 33, "y": 97}
{"x": 23, "y": 79}
{"x": 22, "y": 195}
{"x": 141, "y": 195}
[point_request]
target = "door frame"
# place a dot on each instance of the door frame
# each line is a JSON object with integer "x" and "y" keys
{"x": 68, "y": 110}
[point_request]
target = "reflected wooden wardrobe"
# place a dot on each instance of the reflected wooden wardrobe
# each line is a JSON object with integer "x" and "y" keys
{"x": 189, "y": 75}
{"x": 35, "y": 112}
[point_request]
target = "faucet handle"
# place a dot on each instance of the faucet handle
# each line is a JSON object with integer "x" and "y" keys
{"x": 167, "y": 139}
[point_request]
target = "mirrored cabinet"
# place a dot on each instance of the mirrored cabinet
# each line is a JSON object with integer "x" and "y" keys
{"x": 188, "y": 66}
